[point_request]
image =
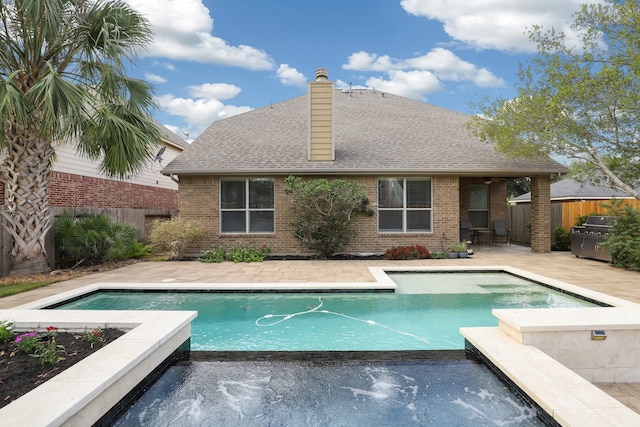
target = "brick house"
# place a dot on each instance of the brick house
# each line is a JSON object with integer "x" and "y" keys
{"x": 76, "y": 185}
{"x": 422, "y": 171}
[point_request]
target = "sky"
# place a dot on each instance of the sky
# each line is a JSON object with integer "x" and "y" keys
{"x": 212, "y": 59}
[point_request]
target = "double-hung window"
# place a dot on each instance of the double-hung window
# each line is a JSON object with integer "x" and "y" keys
{"x": 247, "y": 205}
{"x": 404, "y": 205}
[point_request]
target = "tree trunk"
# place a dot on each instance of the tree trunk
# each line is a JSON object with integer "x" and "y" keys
{"x": 28, "y": 217}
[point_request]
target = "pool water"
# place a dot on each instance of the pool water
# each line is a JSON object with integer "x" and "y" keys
{"x": 425, "y": 313}
{"x": 329, "y": 393}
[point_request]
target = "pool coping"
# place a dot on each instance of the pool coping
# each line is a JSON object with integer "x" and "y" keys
{"x": 488, "y": 340}
{"x": 83, "y": 393}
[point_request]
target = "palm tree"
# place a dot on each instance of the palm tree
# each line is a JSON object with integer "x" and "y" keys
{"x": 62, "y": 79}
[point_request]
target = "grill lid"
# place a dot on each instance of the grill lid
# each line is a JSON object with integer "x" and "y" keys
{"x": 606, "y": 221}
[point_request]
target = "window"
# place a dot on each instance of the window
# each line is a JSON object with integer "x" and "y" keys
{"x": 246, "y": 205}
{"x": 404, "y": 205}
{"x": 479, "y": 206}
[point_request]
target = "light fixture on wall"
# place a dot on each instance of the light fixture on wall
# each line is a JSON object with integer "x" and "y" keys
{"x": 487, "y": 180}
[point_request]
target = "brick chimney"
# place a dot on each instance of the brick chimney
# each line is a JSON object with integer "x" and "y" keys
{"x": 321, "y": 139}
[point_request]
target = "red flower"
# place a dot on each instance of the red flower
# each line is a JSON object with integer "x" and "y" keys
{"x": 51, "y": 328}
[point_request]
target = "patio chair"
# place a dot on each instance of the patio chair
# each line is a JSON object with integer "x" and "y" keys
{"x": 500, "y": 230}
{"x": 466, "y": 231}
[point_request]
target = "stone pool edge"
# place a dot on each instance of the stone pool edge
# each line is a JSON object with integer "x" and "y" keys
{"x": 82, "y": 394}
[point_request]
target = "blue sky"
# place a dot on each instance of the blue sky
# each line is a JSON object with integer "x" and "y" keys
{"x": 212, "y": 59}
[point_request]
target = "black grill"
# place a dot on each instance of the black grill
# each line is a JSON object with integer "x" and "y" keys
{"x": 586, "y": 239}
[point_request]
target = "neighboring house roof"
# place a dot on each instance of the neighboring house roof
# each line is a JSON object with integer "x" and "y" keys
{"x": 375, "y": 132}
{"x": 570, "y": 189}
{"x": 170, "y": 136}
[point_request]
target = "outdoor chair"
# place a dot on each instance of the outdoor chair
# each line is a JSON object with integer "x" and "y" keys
{"x": 500, "y": 230}
{"x": 466, "y": 231}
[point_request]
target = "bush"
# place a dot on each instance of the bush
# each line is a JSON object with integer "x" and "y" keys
{"x": 560, "y": 240}
{"x": 623, "y": 240}
{"x": 407, "y": 252}
{"x": 6, "y": 330}
{"x": 236, "y": 255}
{"x": 214, "y": 255}
{"x": 176, "y": 235}
{"x": 439, "y": 255}
{"x": 138, "y": 250}
{"x": 94, "y": 238}
{"x": 323, "y": 212}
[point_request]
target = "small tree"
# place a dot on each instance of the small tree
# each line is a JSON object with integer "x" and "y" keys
{"x": 176, "y": 235}
{"x": 323, "y": 212}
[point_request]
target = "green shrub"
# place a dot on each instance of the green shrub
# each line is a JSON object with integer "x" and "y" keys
{"x": 138, "y": 250}
{"x": 439, "y": 255}
{"x": 94, "y": 238}
{"x": 236, "y": 255}
{"x": 623, "y": 240}
{"x": 6, "y": 330}
{"x": 560, "y": 240}
{"x": 323, "y": 212}
{"x": 27, "y": 342}
{"x": 214, "y": 255}
{"x": 407, "y": 252}
{"x": 176, "y": 235}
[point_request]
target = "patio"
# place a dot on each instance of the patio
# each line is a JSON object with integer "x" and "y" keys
{"x": 563, "y": 266}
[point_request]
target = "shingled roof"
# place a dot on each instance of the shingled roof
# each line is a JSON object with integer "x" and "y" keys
{"x": 375, "y": 133}
{"x": 570, "y": 189}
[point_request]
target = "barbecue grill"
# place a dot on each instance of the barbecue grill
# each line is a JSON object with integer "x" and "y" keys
{"x": 586, "y": 239}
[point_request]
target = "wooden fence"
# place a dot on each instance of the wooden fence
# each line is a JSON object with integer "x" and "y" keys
{"x": 563, "y": 214}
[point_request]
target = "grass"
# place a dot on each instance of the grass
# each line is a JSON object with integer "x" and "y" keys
{"x": 12, "y": 285}
{"x": 15, "y": 285}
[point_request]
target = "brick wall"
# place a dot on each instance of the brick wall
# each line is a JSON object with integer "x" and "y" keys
{"x": 76, "y": 191}
{"x": 199, "y": 198}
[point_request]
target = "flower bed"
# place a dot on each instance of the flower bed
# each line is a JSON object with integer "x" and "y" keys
{"x": 21, "y": 372}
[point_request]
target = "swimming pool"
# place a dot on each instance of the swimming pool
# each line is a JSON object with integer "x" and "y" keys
{"x": 425, "y": 313}
{"x": 198, "y": 398}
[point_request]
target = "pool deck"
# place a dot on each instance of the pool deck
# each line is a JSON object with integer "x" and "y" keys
{"x": 563, "y": 266}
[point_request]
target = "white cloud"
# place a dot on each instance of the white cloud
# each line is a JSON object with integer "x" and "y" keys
{"x": 496, "y": 24}
{"x": 290, "y": 76}
{"x": 222, "y": 91}
{"x": 447, "y": 66}
{"x": 411, "y": 84}
{"x": 204, "y": 107}
{"x": 166, "y": 65}
{"x": 417, "y": 77}
{"x": 183, "y": 31}
{"x": 154, "y": 78}
{"x": 370, "y": 62}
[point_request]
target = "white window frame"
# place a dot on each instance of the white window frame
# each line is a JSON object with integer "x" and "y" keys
{"x": 247, "y": 209}
{"x": 404, "y": 209}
